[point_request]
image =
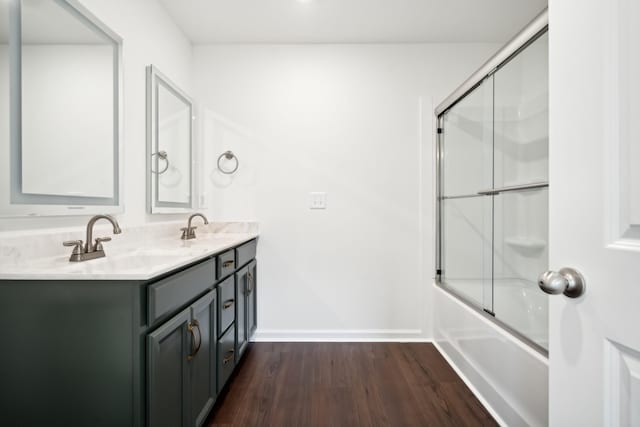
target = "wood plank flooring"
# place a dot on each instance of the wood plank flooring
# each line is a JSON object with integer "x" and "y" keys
{"x": 346, "y": 384}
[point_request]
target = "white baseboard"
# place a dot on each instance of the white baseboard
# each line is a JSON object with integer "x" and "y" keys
{"x": 340, "y": 335}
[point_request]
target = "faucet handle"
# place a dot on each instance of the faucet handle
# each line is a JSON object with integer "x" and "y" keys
{"x": 188, "y": 233}
{"x": 99, "y": 240}
{"x": 77, "y": 245}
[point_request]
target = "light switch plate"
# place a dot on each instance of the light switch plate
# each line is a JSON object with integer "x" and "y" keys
{"x": 318, "y": 200}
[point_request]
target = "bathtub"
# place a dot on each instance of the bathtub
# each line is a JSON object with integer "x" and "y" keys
{"x": 509, "y": 376}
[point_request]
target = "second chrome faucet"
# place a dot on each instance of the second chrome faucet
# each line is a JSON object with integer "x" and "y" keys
{"x": 189, "y": 232}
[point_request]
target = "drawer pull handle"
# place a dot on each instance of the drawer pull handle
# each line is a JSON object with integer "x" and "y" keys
{"x": 194, "y": 348}
{"x": 228, "y": 358}
{"x": 227, "y": 264}
{"x": 228, "y": 303}
{"x": 249, "y": 283}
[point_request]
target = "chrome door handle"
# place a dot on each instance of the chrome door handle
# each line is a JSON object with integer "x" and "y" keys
{"x": 564, "y": 281}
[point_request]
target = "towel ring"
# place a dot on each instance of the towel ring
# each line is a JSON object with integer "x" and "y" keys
{"x": 228, "y": 155}
{"x": 162, "y": 155}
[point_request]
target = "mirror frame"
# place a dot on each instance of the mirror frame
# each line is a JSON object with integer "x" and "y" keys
{"x": 154, "y": 79}
{"x": 17, "y": 204}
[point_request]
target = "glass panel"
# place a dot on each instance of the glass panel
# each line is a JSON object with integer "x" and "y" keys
{"x": 521, "y": 218}
{"x": 494, "y": 247}
{"x": 468, "y": 143}
{"x": 5, "y": 155}
{"x": 5, "y": 147}
{"x": 169, "y": 145}
{"x": 522, "y": 117}
{"x": 466, "y": 248}
{"x": 520, "y": 254}
{"x": 174, "y": 138}
{"x": 67, "y": 104}
{"x": 466, "y": 216}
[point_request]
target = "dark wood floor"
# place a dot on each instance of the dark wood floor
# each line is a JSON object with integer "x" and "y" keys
{"x": 346, "y": 384}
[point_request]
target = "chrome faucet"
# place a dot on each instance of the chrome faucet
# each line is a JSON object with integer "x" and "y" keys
{"x": 89, "y": 250}
{"x": 189, "y": 232}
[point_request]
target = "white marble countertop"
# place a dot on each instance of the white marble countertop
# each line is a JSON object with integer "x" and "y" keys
{"x": 143, "y": 256}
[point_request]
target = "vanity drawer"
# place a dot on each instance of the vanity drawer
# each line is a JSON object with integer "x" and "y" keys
{"x": 226, "y": 304}
{"x": 246, "y": 252}
{"x": 226, "y": 357}
{"x": 226, "y": 263}
{"x": 169, "y": 294}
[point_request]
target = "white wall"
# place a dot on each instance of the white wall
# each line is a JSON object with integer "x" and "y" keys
{"x": 149, "y": 37}
{"x": 355, "y": 121}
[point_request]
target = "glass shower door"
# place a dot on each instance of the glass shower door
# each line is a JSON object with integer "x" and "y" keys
{"x": 521, "y": 158}
{"x": 466, "y": 220}
{"x": 493, "y": 201}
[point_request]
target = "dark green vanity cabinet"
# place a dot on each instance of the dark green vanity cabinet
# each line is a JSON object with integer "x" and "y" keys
{"x": 246, "y": 280}
{"x": 246, "y": 306}
{"x": 252, "y": 298}
{"x": 226, "y": 263}
{"x": 181, "y": 367}
{"x": 226, "y": 356}
{"x": 226, "y": 304}
{"x": 241, "y": 311}
{"x": 118, "y": 352}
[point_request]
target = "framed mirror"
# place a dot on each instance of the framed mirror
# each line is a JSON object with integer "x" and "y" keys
{"x": 60, "y": 82}
{"x": 169, "y": 146}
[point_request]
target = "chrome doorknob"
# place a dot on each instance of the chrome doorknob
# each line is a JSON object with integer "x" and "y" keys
{"x": 565, "y": 281}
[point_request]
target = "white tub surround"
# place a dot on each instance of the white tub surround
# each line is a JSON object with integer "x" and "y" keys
{"x": 138, "y": 253}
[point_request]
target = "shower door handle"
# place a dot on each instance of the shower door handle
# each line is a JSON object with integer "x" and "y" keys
{"x": 564, "y": 281}
{"x": 523, "y": 187}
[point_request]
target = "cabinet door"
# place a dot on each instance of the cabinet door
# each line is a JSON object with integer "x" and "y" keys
{"x": 252, "y": 298}
{"x": 241, "y": 306}
{"x": 167, "y": 372}
{"x": 202, "y": 359}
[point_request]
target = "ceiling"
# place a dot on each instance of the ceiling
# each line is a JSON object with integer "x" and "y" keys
{"x": 351, "y": 21}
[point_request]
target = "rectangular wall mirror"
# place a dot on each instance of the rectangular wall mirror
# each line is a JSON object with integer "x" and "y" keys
{"x": 169, "y": 145}
{"x": 60, "y": 74}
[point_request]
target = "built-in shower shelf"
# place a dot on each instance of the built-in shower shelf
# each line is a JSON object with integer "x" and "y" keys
{"x": 526, "y": 243}
{"x": 507, "y": 139}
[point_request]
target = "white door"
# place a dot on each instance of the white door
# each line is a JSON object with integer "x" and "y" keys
{"x": 594, "y": 202}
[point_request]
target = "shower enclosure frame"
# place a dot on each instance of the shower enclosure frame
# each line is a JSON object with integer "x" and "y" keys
{"x": 536, "y": 28}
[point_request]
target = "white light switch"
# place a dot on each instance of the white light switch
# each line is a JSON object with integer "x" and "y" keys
{"x": 318, "y": 200}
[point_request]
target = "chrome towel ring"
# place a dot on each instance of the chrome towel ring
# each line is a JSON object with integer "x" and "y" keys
{"x": 162, "y": 155}
{"x": 228, "y": 155}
